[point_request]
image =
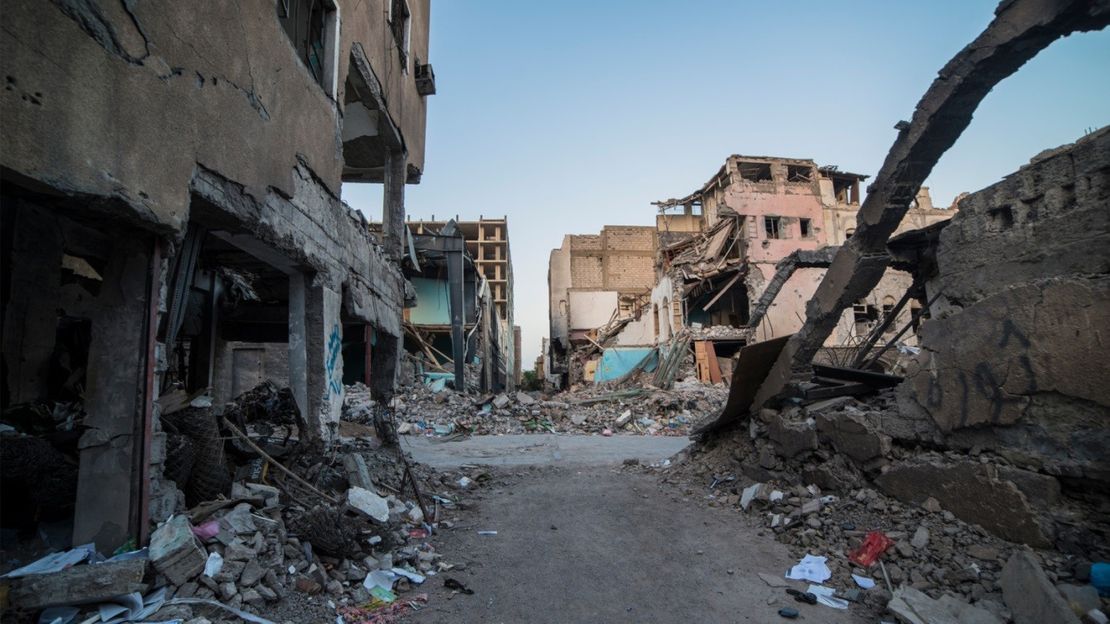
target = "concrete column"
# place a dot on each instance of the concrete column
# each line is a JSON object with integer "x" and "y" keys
{"x": 393, "y": 206}
{"x": 109, "y": 477}
{"x": 298, "y": 362}
{"x": 324, "y": 357}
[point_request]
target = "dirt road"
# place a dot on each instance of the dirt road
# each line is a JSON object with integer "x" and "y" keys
{"x": 592, "y": 543}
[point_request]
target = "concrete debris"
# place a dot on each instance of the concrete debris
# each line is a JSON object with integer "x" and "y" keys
{"x": 80, "y": 584}
{"x": 1030, "y": 595}
{"x": 174, "y": 551}
{"x": 369, "y": 503}
{"x": 588, "y": 409}
{"x": 827, "y": 501}
{"x": 914, "y": 607}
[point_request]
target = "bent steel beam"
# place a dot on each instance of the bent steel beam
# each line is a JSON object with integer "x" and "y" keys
{"x": 1020, "y": 29}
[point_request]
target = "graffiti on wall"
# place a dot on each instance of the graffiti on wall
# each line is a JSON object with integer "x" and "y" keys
{"x": 332, "y": 364}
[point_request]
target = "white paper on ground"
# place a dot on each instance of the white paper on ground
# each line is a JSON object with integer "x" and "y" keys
{"x": 863, "y": 581}
{"x": 214, "y": 564}
{"x": 825, "y": 596}
{"x": 412, "y": 576}
{"x": 810, "y": 568}
{"x": 55, "y": 562}
{"x": 380, "y": 578}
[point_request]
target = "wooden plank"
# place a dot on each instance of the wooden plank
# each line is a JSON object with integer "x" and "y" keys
{"x": 711, "y": 357}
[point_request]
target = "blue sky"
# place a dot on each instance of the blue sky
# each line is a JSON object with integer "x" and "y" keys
{"x": 567, "y": 116}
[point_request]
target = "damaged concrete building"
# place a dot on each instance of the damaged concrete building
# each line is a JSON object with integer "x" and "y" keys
{"x": 599, "y": 288}
{"x": 481, "y": 332}
{"x": 730, "y": 264}
{"x": 173, "y": 222}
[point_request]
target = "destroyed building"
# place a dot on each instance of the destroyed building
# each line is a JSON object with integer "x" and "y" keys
{"x": 483, "y": 334}
{"x": 173, "y": 221}
{"x": 599, "y": 293}
{"x": 732, "y": 263}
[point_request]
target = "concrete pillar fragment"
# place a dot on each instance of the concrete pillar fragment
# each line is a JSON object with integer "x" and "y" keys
{"x": 109, "y": 484}
{"x": 393, "y": 206}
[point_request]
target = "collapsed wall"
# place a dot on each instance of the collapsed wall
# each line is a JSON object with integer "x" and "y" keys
{"x": 1013, "y": 356}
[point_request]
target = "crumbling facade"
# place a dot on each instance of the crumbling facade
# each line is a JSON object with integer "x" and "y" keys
{"x": 599, "y": 287}
{"x": 172, "y": 217}
{"x": 733, "y": 263}
{"x": 1009, "y": 358}
{"x": 479, "y": 334}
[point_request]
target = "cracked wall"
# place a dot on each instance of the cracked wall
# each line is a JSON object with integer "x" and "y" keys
{"x": 1015, "y": 352}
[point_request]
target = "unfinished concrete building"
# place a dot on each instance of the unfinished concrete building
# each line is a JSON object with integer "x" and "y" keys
{"x": 599, "y": 292}
{"x": 490, "y": 267}
{"x": 479, "y": 336}
{"x": 173, "y": 223}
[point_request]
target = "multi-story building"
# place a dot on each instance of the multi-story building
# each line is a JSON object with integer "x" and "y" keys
{"x": 487, "y": 248}
{"x": 172, "y": 215}
{"x": 759, "y": 222}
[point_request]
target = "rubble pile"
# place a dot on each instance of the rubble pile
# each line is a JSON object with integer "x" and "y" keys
{"x": 316, "y": 534}
{"x": 822, "y": 477}
{"x": 587, "y": 410}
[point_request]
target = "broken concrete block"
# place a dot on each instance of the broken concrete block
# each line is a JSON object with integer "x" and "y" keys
{"x": 1081, "y": 598}
{"x": 920, "y": 538}
{"x": 974, "y": 494}
{"x": 791, "y": 438}
{"x": 368, "y": 503}
{"x": 1029, "y": 594}
{"x": 524, "y": 398}
{"x": 854, "y": 435}
{"x": 358, "y": 474}
{"x": 623, "y": 419}
{"x": 80, "y": 584}
{"x": 174, "y": 551}
{"x": 501, "y": 401}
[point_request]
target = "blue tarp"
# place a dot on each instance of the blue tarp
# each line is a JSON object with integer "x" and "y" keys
{"x": 617, "y": 361}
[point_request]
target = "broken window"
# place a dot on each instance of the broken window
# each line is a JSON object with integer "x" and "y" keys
{"x": 773, "y": 227}
{"x": 848, "y": 233}
{"x": 1003, "y": 217}
{"x": 806, "y": 226}
{"x": 799, "y": 174}
{"x": 399, "y": 24}
{"x": 311, "y": 27}
{"x": 846, "y": 190}
{"x": 864, "y": 315}
{"x": 655, "y": 318}
{"x": 754, "y": 172}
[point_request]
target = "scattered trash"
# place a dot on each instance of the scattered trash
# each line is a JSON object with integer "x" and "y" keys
{"x": 55, "y": 562}
{"x": 487, "y": 532}
{"x": 802, "y": 596}
{"x": 826, "y": 596}
{"x": 214, "y": 564}
{"x": 869, "y": 551}
{"x": 810, "y": 568}
{"x": 208, "y": 530}
{"x": 455, "y": 585}
{"x": 863, "y": 581}
{"x": 788, "y": 613}
{"x": 1100, "y": 578}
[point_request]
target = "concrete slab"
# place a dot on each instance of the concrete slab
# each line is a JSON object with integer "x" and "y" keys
{"x": 542, "y": 449}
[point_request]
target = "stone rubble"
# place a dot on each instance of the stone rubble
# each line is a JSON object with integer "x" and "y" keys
{"x": 814, "y": 478}
{"x": 420, "y": 410}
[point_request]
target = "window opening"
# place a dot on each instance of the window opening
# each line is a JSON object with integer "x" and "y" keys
{"x": 806, "y": 227}
{"x": 799, "y": 174}
{"x": 755, "y": 172}
{"x": 311, "y": 26}
{"x": 773, "y": 227}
